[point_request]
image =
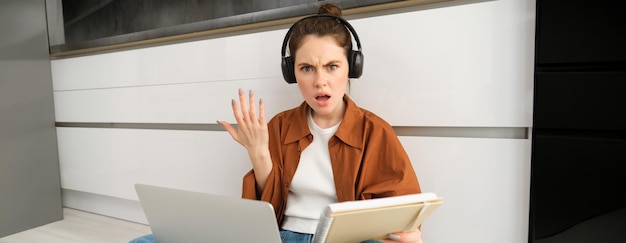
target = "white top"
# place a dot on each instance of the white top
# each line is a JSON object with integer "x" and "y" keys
{"x": 313, "y": 186}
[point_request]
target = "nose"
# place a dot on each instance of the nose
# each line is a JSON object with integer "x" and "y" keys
{"x": 321, "y": 79}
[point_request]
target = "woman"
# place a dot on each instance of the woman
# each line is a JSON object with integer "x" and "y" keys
{"x": 326, "y": 150}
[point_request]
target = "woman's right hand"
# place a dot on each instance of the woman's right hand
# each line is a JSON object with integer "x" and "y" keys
{"x": 252, "y": 128}
{"x": 252, "y": 133}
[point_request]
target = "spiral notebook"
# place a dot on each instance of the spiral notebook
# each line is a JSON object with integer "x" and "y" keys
{"x": 357, "y": 221}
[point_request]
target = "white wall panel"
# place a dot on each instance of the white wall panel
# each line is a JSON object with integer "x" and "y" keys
{"x": 467, "y": 65}
{"x": 180, "y": 103}
{"x": 485, "y": 184}
{"x": 238, "y": 57}
{"x": 110, "y": 161}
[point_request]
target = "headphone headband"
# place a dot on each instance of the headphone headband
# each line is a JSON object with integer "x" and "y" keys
{"x": 340, "y": 19}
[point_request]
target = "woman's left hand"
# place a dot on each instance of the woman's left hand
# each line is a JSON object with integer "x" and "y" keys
{"x": 412, "y": 236}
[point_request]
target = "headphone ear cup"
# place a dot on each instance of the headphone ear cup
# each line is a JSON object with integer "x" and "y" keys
{"x": 356, "y": 64}
{"x": 287, "y": 67}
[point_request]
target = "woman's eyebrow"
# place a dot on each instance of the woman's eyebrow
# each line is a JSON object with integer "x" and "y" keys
{"x": 303, "y": 64}
{"x": 331, "y": 62}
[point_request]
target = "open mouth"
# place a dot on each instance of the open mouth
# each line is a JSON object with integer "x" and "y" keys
{"x": 322, "y": 97}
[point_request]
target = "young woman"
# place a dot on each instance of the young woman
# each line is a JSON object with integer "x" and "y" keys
{"x": 327, "y": 149}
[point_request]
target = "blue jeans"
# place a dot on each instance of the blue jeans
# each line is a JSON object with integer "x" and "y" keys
{"x": 144, "y": 239}
{"x": 285, "y": 235}
{"x": 295, "y": 237}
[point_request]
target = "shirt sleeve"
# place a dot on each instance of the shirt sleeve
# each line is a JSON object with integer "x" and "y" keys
{"x": 387, "y": 168}
{"x": 272, "y": 190}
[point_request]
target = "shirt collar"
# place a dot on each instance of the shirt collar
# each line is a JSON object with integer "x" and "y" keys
{"x": 348, "y": 132}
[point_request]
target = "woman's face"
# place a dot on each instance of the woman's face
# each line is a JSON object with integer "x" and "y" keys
{"x": 321, "y": 69}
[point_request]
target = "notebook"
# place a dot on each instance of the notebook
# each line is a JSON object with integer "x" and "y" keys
{"x": 185, "y": 216}
{"x": 357, "y": 221}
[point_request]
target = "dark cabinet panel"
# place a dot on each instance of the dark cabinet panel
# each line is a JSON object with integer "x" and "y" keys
{"x": 579, "y": 129}
{"x": 30, "y": 183}
{"x": 580, "y": 100}
{"x": 102, "y": 23}
{"x": 581, "y": 31}
{"x": 576, "y": 180}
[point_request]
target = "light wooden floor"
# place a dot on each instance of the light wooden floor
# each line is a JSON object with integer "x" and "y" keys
{"x": 79, "y": 226}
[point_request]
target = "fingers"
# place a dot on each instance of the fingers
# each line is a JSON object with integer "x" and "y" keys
{"x": 242, "y": 102}
{"x": 248, "y": 112}
{"x": 253, "y": 117}
{"x": 251, "y": 132}
{"x": 262, "y": 112}
{"x": 413, "y": 236}
{"x": 236, "y": 112}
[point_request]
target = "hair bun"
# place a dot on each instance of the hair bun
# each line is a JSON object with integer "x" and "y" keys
{"x": 329, "y": 8}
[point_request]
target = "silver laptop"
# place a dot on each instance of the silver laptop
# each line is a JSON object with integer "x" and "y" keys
{"x": 185, "y": 216}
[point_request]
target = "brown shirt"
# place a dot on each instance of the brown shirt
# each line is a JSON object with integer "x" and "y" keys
{"x": 367, "y": 158}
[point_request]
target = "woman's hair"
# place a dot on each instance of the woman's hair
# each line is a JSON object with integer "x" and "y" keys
{"x": 322, "y": 26}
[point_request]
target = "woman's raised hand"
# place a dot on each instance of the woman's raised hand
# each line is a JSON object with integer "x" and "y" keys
{"x": 251, "y": 129}
{"x": 253, "y": 134}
